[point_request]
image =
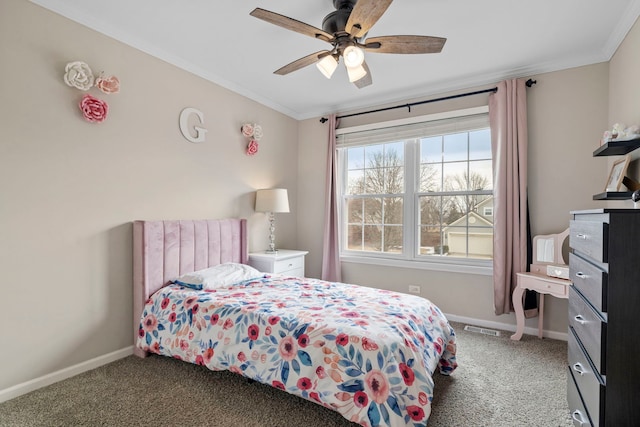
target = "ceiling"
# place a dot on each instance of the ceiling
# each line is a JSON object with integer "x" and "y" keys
{"x": 487, "y": 41}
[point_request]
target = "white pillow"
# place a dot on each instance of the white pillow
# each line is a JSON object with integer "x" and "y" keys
{"x": 220, "y": 276}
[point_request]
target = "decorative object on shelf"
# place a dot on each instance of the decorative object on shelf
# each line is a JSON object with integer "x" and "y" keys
{"x": 620, "y": 132}
{"x": 616, "y": 175}
{"x": 78, "y": 74}
{"x": 635, "y": 197}
{"x": 94, "y": 110}
{"x": 254, "y": 133}
{"x": 184, "y": 125}
{"x": 272, "y": 201}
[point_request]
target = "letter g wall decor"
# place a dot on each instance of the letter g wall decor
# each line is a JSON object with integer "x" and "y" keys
{"x": 184, "y": 125}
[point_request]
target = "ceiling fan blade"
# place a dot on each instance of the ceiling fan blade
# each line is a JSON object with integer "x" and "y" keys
{"x": 291, "y": 24}
{"x": 366, "y": 80}
{"x": 405, "y": 44}
{"x": 302, "y": 62}
{"x": 364, "y": 15}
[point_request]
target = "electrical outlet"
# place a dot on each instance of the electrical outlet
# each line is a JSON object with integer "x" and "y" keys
{"x": 414, "y": 289}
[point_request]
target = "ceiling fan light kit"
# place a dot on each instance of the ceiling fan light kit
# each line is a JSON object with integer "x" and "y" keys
{"x": 327, "y": 66}
{"x": 353, "y": 56}
{"x": 346, "y": 30}
{"x": 356, "y": 73}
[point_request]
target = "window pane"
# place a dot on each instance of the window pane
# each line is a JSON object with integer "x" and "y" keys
{"x": 480, "y": 144}
{"x": 431, "y": 150}
{"x": 354, "y": 237}
{"x": 455, "y": 176}
{"x": 373, "y": 211}
{"x": 393, "y": 210}
{"x": 430, "y": 210}
{"x": 454, "y": 210}
{"x": 374, "y": 155}
{"x": 394, "y": 180}
{"x": 394, "y": 154}
{"x": 355, "y": 182}
{"x": 431, "y": 241}
{"x": 480, "y": 242}
{"x": 354, "y": 211}
{"x": 481, "y": 175}
{"x": 431, "y": 177}
{"x": 393, "y": 238}
{"x": 372, "y": 238}
{"x": 455, "y": 147}
{"x": 355, "y": 158}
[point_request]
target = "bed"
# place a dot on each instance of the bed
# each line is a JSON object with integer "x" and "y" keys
{"x": 366, "y": 353}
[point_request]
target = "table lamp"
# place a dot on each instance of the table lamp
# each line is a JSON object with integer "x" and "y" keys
{"x": 272, "y": 201}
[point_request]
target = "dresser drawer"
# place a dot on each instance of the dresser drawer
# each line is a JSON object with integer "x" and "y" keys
{"x": 579, "y": 415}
{"x": 287, "y": 266}
{"x": 589, "y": 386}
{"x": 590, "y": 329}
{"x": 590, "y": 281}
{"x": 589, "y": 238}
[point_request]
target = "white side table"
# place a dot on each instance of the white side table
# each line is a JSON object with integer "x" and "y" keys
{"x": 285, "y": 261}
{"x": 543, "y": 284}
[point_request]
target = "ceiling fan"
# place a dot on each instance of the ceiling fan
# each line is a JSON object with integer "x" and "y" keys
{"x": 345, "y": 29}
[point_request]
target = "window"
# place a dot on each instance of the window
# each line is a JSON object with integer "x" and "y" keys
{"x": 419, "y": 192}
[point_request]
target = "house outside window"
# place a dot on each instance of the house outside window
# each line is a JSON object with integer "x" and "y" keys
{"x": 419, "y": 192}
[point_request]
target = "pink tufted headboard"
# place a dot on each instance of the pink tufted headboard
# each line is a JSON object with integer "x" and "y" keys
{"x": 163, "y": 250}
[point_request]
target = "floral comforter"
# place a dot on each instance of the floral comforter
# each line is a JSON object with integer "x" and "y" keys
{"x": 366, "y": 353}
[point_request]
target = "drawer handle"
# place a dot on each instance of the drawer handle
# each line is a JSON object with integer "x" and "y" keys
{"x": 582, "y": 236}
{"x": 581, "y": 275}
{"x": 579, "y": 368}
{"x": 577, "y": 417}
{"x": 580, "y": 319}
{"x": 290, "y": 265}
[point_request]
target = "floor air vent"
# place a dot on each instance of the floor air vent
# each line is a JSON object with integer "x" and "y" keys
{"x": 485, "y": 331}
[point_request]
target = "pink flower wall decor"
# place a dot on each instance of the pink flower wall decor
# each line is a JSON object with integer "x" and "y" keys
{"x": 254, "y": 133}
{"x": 247, "y": 130}
{"x": 252, "y": 147}
{"x": 94, "y": 110}
{"x": 109, "y": 84}
{"x": 78, "y": 75}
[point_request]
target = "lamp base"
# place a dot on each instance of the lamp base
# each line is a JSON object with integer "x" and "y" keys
{"x": 271, "y": 251}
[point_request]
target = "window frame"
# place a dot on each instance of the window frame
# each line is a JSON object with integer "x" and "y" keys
{"x": 409, "y": 258}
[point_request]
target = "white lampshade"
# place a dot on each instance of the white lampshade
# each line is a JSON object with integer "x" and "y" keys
{"x": 356, "y": 73}
{"x": 353, "y": 56}
{"x": 327, "y": 66}
{"x": 272, "y": 200}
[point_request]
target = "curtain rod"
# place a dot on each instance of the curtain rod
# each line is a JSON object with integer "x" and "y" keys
{"x": 529, "y": 83}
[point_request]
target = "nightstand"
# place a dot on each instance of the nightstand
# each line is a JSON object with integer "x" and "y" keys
{"x": 285, "y": 261}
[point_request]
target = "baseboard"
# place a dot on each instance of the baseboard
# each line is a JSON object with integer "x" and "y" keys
{"x": 63, "y": 374}
{"x": 562, "y": 336}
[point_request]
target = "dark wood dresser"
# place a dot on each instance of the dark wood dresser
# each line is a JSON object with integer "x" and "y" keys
{"x": 604, "y": 318}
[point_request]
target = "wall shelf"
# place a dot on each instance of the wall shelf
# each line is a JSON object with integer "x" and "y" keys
{"x": 613, "y": 195}
{"x": 617, "y": 148}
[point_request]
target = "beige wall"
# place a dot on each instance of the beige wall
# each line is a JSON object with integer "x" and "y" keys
{"x": 70, "y": 189}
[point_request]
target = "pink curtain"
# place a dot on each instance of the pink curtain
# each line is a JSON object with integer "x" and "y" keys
{"x": 331, "y": 252}
{"x": 508, "y": 120}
